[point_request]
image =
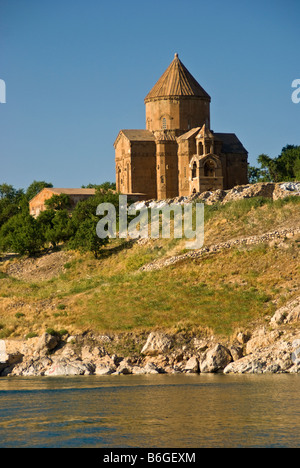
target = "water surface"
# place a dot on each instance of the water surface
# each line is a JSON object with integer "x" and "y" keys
{"x": 171, "y": 411}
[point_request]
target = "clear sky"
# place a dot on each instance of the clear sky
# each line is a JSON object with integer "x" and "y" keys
{"x": 77, "y": 71}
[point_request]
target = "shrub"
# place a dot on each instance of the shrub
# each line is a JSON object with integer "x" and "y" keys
{"x": 21, "y": 234}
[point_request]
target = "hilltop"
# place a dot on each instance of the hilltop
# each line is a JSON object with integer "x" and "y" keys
{"x": 230, "y": 283}
{"x": 224, "y": 294}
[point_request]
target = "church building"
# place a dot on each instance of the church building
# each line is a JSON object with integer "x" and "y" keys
{"x": 178, "y": 153}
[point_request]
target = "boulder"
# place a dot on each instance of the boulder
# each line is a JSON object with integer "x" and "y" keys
{"x": 31, "y": 367}
{"x": 249, "y": 191}
{"x": 192, "y": 365}
{"x": 261, "y": 338}
{"x": 215, "y": 359}
{"x": 289, "y": 313}
{"x": 151, "y": 368}
{"x": 47, "y": 343}
{"x": 286, "y": 189}
{"x": 63, "y": 367}
{"x": 125, "y": 367}
{"x": 276, "y": 357}
{"x": 157, "y": 343}
{"x": 236, "y": 352}
{"x": 8, "y": 359}
{"x": 243, "y": 337}
{"x": 105, "y": 366}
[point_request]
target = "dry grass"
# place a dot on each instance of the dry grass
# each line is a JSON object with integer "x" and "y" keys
{"x": 222, "y": 292}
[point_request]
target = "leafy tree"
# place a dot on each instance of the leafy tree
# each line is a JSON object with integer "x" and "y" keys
{"x": 297, "y": 169}
{"x": 254, "y": 174}
{"x": 287, "y": 161}
{"x": 104, "y": 186}
{"x": 84, "y": 221}
{"x": 21, "y": 234}
{"x": 9, "y": 193}
{"x": 86, "y": 239}
{"x": 12, "y": 201}
{"x": 58, "y": 202}
{"x": 285, "y": 167}
{"x": 36, "y": 187}
{"x": 55, "y": 226}
{"x": 7, "y": 210}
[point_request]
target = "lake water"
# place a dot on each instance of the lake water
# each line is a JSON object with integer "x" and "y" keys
{"x": 163, "y": 411}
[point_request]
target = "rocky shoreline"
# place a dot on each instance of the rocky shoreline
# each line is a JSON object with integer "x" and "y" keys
{"x": 273, "y": 348}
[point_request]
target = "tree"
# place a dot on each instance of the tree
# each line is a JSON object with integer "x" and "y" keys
{"x": 86, "y": 239}
{"x": 9, "y": 193}
{"x": 11, "y": 202}
{"x": 285, "y": 167}
{"x": 58, "y": 202}
{"x": 254, "y": 174}
{"x": 268, "y": 170}
{"x": 21, "y": 234}
{"x": 84, "y": 221}
{"x": 104, "y": 186}
{"x": 35, "y": 188}
{"x": 55, "y": 226}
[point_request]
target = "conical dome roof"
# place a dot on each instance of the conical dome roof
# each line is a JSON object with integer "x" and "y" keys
{"x": 176, "y": 81}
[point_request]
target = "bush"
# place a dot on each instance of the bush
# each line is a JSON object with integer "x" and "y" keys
{"x": 84, "y": 223}
{"x": 21, "y": 234}
{"x": 55, "y": 226}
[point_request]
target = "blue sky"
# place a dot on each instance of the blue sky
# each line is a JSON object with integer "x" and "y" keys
{"x": 77, "y": 71}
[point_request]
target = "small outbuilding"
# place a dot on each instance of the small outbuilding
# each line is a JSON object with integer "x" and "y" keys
{"x": 37, "y": 203}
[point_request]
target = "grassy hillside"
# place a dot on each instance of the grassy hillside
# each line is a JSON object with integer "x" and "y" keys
{"x": 219, "y": 293}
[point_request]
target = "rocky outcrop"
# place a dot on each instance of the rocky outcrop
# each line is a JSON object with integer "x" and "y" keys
{"x": 272, "y": 348}
{"x": 271, "y": 237}
{"x": 270, "y": 190}
{"x": 289, "y": 313}
{"x": 157, "y": 343}
{"x": 215, "y": 359}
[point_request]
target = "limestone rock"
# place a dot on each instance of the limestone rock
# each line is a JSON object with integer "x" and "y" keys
{"x": 236, "y": 352}
{"x": 151, "y": 368}
{"x": 157, "y": 343}
{"x": 47, "y": 342}
{"x": 277, "y": 357}
{"x": 249, "y": 191}
{"x": 62, "y": 367}
{"x": 199, "y": 344}
{"x": 192, "y": 365}
{"x": 105, "y": 366}
{"x": 243, "y": 337}
{"x": 125, "y": 367}
{"x": 31, "y": 367}
{"x": 261, "y": 339}
{"x": 8, "y": 359}
{"x": 289, "y": 313}
{"x": 286, "y": 189}
{"x": 215, "y": 359}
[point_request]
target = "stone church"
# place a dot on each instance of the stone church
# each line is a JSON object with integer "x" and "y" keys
{"x": 178, "y": 154}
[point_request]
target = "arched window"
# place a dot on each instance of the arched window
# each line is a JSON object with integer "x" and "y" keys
{"x": 209, "y": 169}
{"x": 194, "y": 170}
{"x": 164, "y": 123}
